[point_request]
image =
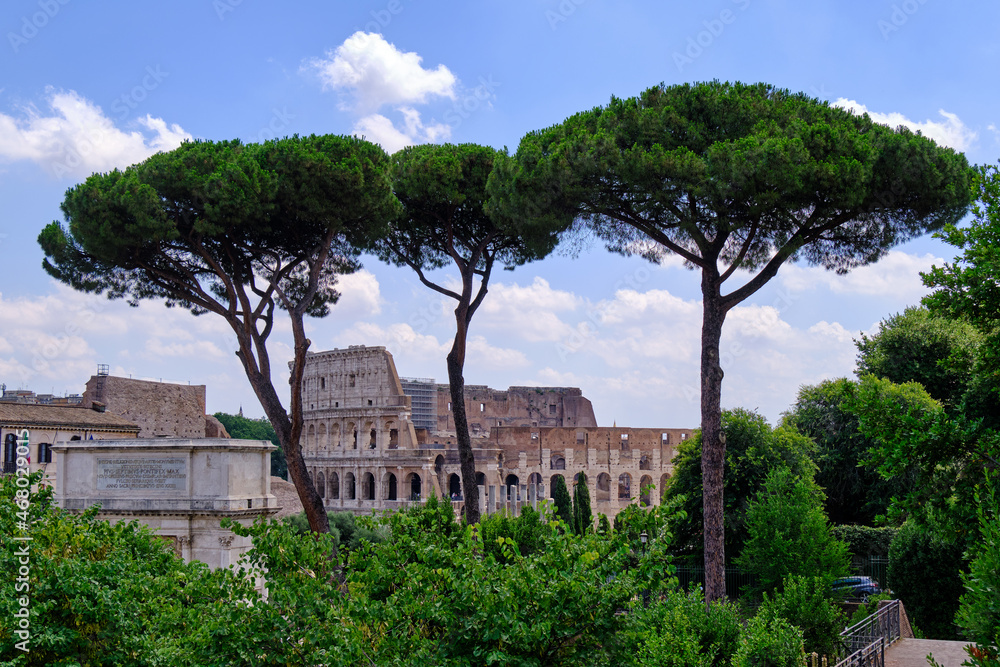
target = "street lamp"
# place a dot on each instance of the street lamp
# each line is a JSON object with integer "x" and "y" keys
{"x": 643, "y": 537}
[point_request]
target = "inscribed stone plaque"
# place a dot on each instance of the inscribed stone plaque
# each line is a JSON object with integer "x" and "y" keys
{"x": 164, "y": 474}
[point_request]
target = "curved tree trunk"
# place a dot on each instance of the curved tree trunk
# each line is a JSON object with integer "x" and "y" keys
{"x": 713, "y": 444}
{"x": 456, "y": 384}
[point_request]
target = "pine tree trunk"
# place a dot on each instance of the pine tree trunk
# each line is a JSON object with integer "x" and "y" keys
{"x": 713, "y": 445}
{"x": 456, "y": 384}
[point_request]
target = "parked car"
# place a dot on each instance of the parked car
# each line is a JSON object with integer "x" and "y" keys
{"x": 856, "y": 588}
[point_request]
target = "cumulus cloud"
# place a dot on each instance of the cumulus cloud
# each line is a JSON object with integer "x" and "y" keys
{"x": 381, "y": 130}
{"x": 360, "y": 295}
{"x": 950, "y": 131}
{"x": 895, "y": 276}
{"x": 77, "y": 139}
{"x": 376, "y": 73}
{"x": 369, "y": 73}
{"x": 528, "y": 312}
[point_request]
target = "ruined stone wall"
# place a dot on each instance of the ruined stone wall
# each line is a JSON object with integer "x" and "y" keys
{"x": 544, "y": 407}
{"x": 160, "y": 409}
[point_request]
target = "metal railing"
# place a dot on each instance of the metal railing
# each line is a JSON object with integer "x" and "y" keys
{"x": 863, "y": 644}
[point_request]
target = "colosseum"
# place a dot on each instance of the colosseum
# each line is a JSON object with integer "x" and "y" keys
{"x": 374, "y": 441}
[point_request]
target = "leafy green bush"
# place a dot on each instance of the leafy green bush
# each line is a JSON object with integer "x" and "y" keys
{"x": 868, "y": 607}
{"x": 769, "y": 642}
{"x": 562, "y": 500}
{"x": 788, "y": 533}
{"x": 583, "y": 519}
{"x": 865, "y": 540}
{"x": 677, "y": 629}
{"x": 806, "y": 603}
{"x": 979, "y": 613}
{"x": 925, "y": 573}
{"x": 526, "y": 531}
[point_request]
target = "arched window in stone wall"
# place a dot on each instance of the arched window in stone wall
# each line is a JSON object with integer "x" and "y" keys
{"x": 311, "y": 438}
{"x": 645, "y": 463}
{"x": 372, "y": 433}
{"x": 646, "y": 490}
{"x": 480, "y": 479}
{"x": 414, "y": 485}
{"x": 624, "y": 486}
{"x": 454, "y": 487}
{"x": 438, "y": 464}
{"x": 664, "y": 478}
{"x": 390, "y": 428}
{"x": 557, "y": 461}
{"x": 321, "y": 485}
{"x": 603, "y": 487}
{"x": 515, "y": 492}
{"x": 368, "y": 486}
{"x": 334, "y": 486}
{"x": 389, "y": 487}
{"x": 322, "y": 444}
{"x": 352, "y": 433}
{"x": 350, "y": 486}
{"x": 335, "y": 434}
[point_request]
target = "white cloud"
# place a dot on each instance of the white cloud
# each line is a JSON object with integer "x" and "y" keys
{"x": 381, "y": 130}
{"x": 78, "y": 139}
{"x": 950, "y": 132}
{"x": 528, "y": 312}
{"x": 360, "y": 295}
{"x": 895, "y": 276}
{"x": 376, "y": 73}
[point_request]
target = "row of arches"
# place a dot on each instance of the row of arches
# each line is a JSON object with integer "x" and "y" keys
{"x": 354, "y": 435}
{"x": 362, "y": 487}
{"x": 558, "y": 462}
{"x": 604, "y": 490}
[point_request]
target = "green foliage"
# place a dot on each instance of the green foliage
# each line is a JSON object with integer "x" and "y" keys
{"x": 583, "y": 519}
{"x": 865, "y": 540}
{"x": 979, "y": 611}
{"x": 256, "y": 429}
{"x": 869, "y": 607}
{"x": 678, "y": 629}
{"x": 507, "y": 538}
{"x": 925, "y": 573}
{"x": 806, "y": 603}
{"x": 753, "y": 449}
{"x": 910, "y": 430}
{"x": 769, "y": 642}
{"x": 95, "y": 591}
{"x": 788, "y": 533}
{"x": 603, "y": 525}
{"x": 918, "y": 346}
{"x": 855, "y": 491}
{"x": 969, "y": 288}
{"x": 564, "y": 504}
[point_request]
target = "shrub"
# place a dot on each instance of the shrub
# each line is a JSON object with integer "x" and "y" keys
{"x": 677, "y": 629}
{"x": 769, "y": 642}
{"x": 564, "y": 504}
{"x": 788, "y": 533}
{"x": 925, "y": 573}
{"x": 865, "y": 540}
{"x": 806, "y": 603}
{"x": 583, "y": 520}
{"x": 979, "y": 613}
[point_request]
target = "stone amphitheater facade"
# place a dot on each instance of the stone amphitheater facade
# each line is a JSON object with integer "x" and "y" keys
{"x": 364, "y": 452}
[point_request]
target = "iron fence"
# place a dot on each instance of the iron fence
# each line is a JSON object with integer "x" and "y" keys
{"x": 863, "y": 644}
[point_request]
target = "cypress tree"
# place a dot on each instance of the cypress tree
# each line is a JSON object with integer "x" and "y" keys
{"x": 564, "y": 505}
{"x": 583, "y": 520}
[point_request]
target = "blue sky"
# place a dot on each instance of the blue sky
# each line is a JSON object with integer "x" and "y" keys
{"x": 94, "y": 86}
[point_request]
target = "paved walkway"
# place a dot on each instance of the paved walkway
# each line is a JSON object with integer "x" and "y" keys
{"x": 913, "y": 653}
